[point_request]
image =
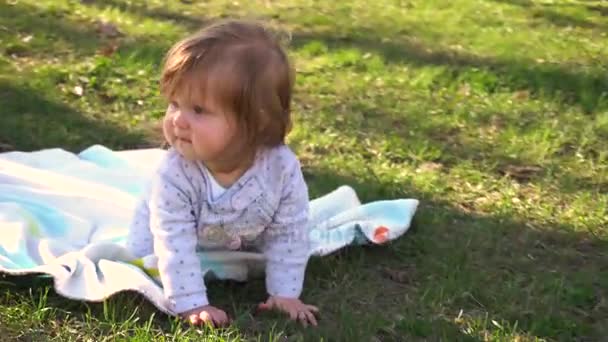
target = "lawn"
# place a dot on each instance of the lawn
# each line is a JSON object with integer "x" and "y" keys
{"x": 493, "y": 113}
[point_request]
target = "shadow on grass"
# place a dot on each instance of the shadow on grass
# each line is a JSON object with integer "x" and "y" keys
{"x": 600, "y": 9}
{"x": 568, "y": 82}
{"x": 561, "y": 83}
{"x": 540, "y": 278}
{"x": 564, "y": 20}
{"x": 548, "y": 12}
{"x": 457, "y": 270}
{"x": 33, "y": 116}
{"x": 47, "y": 26}
{"x": 52, "y": 32}
{"x": 153, "y": 12}
{"x": 32, "y": 121}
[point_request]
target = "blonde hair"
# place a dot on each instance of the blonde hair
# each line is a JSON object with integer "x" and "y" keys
{"x": 244, "y": 68}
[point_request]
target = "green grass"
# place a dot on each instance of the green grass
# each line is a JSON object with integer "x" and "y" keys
{"x": 493, "y": 113}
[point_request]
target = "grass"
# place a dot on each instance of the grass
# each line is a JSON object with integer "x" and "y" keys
{"x": 493, "y": 113}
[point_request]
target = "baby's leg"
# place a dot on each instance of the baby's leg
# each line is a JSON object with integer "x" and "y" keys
{"x": 139, "y": 240}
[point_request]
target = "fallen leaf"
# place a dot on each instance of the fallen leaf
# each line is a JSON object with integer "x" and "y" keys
{"x": 399, "y": 276}
{"x": 521, "y": 95}
{"x": 78, "y": 90}
{"x": 108, "y": 29}
{"x": 106, "y": 97}
{"x": 108, "y": 49}
{"x": 520, "y": 172}
{"x": 429, "y": 167}
{"x": 465, "y": 90}
{"x": 27, "y": 39}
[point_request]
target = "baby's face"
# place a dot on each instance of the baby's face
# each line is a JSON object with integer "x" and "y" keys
{"x": 197, "y": 129}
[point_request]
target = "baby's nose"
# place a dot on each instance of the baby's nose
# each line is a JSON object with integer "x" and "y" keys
{"x": 179, "y": 119}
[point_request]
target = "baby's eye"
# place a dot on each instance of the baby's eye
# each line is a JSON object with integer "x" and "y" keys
{"x": 198, "y": 109}
{"x": 173, "y": 105}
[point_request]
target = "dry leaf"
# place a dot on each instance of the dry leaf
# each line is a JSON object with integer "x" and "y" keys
{"x": 78, "y": 90}
{"x": 520, "y": 172}
{"x": 429, "y": 167}
{"x": 108, "y": 29}
{"x": 465, "y": 90}
{"x": 399, "y": 276}
{"x": 521, "y": 95}
{"x": 108, "y": 49}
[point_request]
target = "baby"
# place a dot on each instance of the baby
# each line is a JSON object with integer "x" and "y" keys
{"x": 228, "y": 179}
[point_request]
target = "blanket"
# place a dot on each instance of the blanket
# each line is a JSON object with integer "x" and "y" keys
{"x": 66, "y": 215}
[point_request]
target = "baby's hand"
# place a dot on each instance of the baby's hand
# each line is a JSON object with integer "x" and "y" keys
{"x": 293, "y": 307}
{"x": 207, "y": 314}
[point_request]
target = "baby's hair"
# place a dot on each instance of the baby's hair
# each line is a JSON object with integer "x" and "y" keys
{"x": 242, "y": 67}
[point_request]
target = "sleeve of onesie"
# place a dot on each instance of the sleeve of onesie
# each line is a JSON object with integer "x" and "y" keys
{"x": 174, "y": 231}
{"x": 286, "y": 241}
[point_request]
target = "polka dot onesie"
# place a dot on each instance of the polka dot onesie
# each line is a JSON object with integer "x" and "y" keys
{"x": 266, "y": 209}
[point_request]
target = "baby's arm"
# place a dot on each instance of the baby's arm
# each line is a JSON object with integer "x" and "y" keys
{"x": 286, "y": 241}
{"x": 286, "y": 248}
{"x": 173, "y": 226}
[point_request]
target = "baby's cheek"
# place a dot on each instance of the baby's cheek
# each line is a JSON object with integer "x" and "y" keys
{"x": 168, "y": 129}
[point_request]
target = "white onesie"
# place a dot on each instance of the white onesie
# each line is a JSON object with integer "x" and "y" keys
{"x": 266, "y": 208}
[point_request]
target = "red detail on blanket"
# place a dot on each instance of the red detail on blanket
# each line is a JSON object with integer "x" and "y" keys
{"x": 380, "y": 234}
